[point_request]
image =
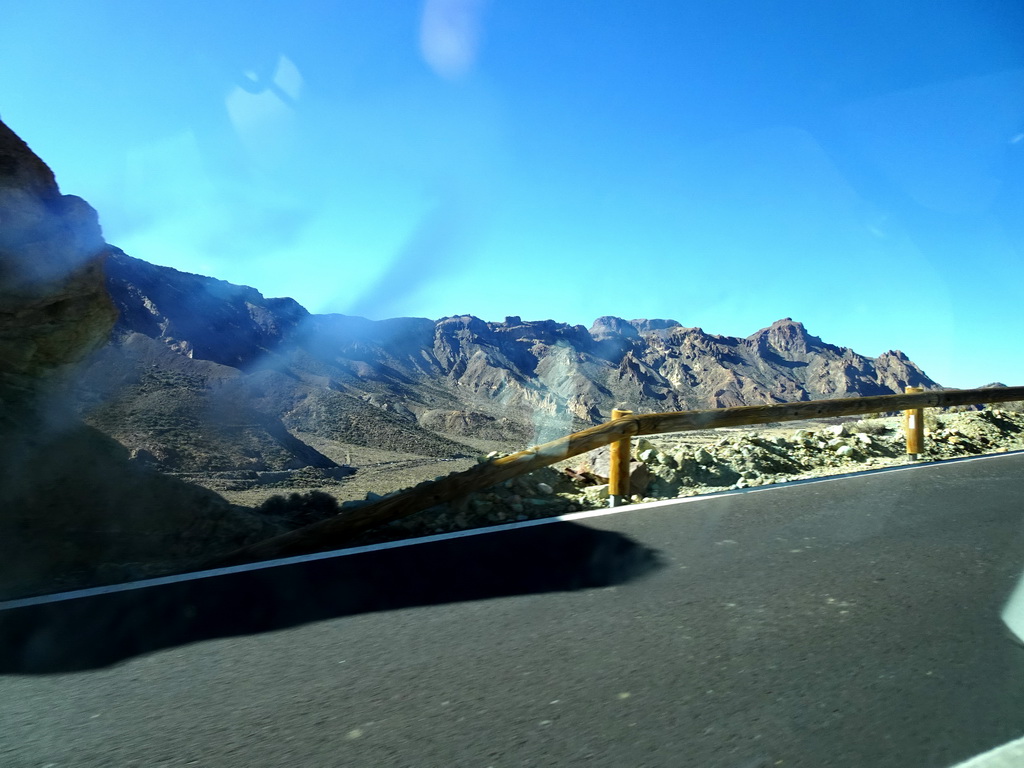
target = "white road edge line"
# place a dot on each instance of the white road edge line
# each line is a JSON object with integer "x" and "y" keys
{"x": 25, "y": 602}
{"x": 1009, "y": 755}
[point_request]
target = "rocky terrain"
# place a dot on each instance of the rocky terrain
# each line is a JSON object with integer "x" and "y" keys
{"x": 715, "y": 461}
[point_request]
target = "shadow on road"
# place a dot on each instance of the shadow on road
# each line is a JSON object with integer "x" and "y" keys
{"x": 92, "y": 632}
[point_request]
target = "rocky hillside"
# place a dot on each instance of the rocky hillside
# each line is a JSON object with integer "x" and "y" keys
{"x": 186, "y": 346}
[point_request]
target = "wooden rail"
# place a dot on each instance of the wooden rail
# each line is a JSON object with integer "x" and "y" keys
{"x": 335, "y": 532}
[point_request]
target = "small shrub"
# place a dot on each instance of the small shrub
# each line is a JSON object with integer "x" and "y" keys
{"x": 1014, "y": 406}
{"x": 870, "y": 426}
{"x": 301, "y": 509}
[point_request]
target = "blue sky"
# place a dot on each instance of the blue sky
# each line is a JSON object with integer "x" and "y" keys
{"x": 856, "y": 166}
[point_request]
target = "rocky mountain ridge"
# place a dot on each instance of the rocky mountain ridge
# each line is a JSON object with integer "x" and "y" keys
{"x": 187, "y": 345}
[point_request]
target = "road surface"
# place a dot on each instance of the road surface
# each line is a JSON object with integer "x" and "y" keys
{"x": 849, "y": 622}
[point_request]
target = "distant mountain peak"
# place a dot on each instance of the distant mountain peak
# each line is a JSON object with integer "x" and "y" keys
{"x": 895, "y": 353}
{"x": 608, "y": 326}
{"x": 787, "y": 322}
{"x": 654, "y": 324}
{"x": 787, "y": 337}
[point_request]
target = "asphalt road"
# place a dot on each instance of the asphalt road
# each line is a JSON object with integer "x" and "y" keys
{"x": 852, "y": 622}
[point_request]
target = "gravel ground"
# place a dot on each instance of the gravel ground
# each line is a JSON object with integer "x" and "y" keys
{"x": 377, "y": 471}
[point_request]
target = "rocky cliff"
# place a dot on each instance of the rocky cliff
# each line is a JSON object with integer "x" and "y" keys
{"x": 54, "y": 308}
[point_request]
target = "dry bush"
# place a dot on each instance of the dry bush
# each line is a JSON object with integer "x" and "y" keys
{"x": 870, "y": 426}
{"x": 300, "y": 509}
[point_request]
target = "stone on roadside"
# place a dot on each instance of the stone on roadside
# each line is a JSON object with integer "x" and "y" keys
{"x": 482, "y": 506}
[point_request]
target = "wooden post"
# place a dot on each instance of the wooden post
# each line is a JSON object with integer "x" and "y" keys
{"x": 913, "y": 426}
{"x": 618, "y": 471}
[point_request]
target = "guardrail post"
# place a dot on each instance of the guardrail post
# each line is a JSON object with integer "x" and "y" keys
{"x": 913, "y": 426}
{"x": 618, "y": 471}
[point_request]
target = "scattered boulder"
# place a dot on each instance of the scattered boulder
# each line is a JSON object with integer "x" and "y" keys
{"x": 596, "y": 493}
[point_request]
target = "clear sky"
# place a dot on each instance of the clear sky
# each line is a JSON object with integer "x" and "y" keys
{"x": 856, "y": 165}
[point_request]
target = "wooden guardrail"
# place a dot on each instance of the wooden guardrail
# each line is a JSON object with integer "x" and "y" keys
{"x": 340, "y": 529}
{"x": 913, "y": 426}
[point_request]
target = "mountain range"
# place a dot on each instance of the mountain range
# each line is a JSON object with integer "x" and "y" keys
{"x": 204, "y": 375}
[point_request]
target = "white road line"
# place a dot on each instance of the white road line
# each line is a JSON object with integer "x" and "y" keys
{"x": 1009, "y": 755}
{"x": 571, "y": 517}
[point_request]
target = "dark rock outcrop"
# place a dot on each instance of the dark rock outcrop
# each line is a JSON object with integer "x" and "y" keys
{"x": 199, "y": 316}
{"x": 54, "y": 308}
